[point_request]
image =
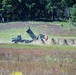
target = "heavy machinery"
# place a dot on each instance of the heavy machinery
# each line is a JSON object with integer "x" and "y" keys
{"x": 32, "y": 35}
{"x": 17, "y": 39}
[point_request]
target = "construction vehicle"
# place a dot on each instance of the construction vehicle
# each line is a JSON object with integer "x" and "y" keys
{"x": 17, "y": 39}
{"x": 43, "y": 38}
{"x": 32, "y": 35}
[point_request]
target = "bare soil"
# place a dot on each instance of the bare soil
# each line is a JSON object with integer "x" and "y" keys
{"x": 40, "y": 27}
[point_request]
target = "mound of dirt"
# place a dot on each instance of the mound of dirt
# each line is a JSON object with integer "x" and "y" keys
{"x": 37, "y": 42}
{"x": 63, "y": 42}
{"x": 70, "y": 41}
{"x": 53, "y": 41}
{"x": 49, "y": 41}
{"x": 60, "y": 41}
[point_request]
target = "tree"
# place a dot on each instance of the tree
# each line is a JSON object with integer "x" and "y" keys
{"x": 73, "y": 13}
{"x": 20, "y": 10}
{"x": 7, "y": 9}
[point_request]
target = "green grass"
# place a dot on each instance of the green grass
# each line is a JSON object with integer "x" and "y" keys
{"x": 7, "y": 35}
{"x": 39, "y": 47}
{"x": 59, "y": 23}
{"x": 54, "y": 22}
{"x": 63, "y": 37}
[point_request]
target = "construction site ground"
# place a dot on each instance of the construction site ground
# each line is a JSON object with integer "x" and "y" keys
{"x": 46, "y": 28}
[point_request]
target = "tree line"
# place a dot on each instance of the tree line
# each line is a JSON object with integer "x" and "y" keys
{"x": 22, "y": 10}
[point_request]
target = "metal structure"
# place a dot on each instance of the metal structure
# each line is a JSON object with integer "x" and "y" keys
{"x": 17, "y": 39}
{"x": 31, "y": 34}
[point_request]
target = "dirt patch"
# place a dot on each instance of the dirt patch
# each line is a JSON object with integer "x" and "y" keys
{"x": 45, "y": 28}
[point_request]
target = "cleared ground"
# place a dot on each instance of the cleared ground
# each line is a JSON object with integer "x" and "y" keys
{"x": 41, "y": 27}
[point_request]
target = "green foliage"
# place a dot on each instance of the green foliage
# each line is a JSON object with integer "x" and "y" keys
{"x": 73, "y": 13}
{"x": 13, "y": 10}
{"x": 39, "y": 47}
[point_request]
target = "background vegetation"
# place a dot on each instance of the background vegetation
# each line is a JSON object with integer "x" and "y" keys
{"x": 21, "y": 10}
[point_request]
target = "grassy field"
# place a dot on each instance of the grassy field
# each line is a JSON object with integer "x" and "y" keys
{"x": 7, "y": 35}
{"x": 43, "y": 47}
{"x": 37, "y": 59}
{"x": 32, "y": 59}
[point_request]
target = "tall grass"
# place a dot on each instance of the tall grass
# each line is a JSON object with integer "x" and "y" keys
{"x": 13, "y": 58}
{"x": 38, "y": 68}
